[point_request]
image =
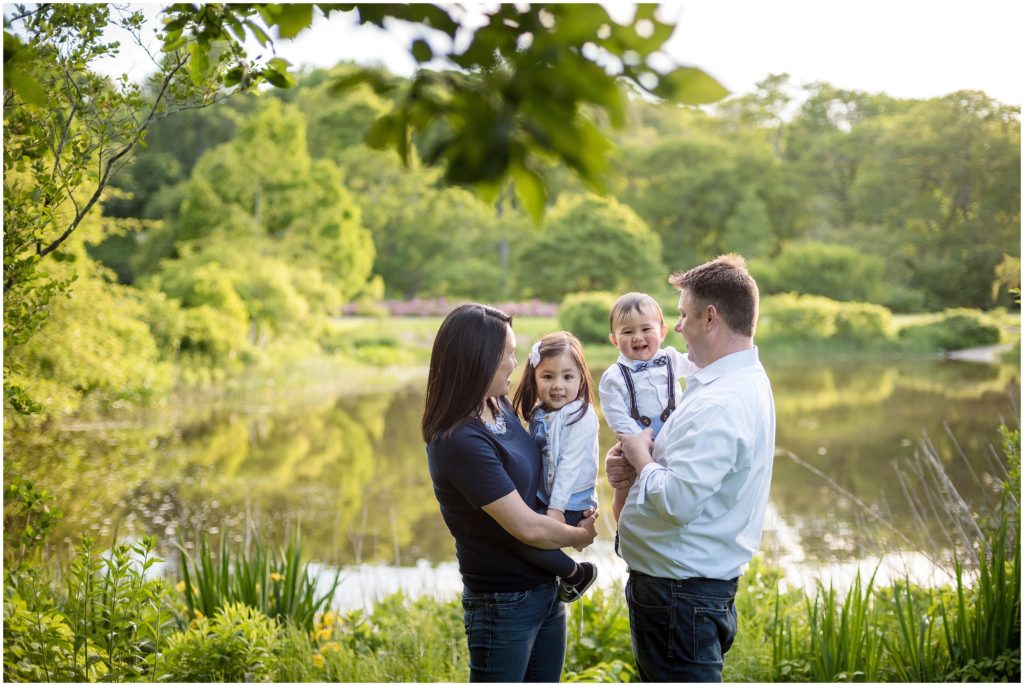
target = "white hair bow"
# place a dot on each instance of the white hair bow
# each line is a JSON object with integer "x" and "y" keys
{"x": 535, "y": 354}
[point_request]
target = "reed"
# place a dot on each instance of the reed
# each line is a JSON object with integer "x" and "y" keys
{"x": 278, "y": 584}
{"x": 844, "y": 638}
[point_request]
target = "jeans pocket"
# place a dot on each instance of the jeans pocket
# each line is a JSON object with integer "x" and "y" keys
{"x": 708, "y": 630}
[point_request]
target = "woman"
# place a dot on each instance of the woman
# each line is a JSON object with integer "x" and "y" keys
{"x": 486, "y": 469}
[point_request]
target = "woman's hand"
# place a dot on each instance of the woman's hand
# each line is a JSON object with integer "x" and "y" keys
{"x": 588, "y": 524}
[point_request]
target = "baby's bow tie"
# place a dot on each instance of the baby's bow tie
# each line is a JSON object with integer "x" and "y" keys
{"x": 659, "y": 361}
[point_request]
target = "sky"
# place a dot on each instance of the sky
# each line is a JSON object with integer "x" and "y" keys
{"x": 905, "y": 48}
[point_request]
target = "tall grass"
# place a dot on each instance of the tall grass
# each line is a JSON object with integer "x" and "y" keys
{"x": 277, "y": 583}
{"x": 845, "y": 642}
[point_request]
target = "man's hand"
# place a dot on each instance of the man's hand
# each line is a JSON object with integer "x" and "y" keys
{"x": 618, "y": 471}
{"x": 588, "y": 524}
{"x": 637, "y": 448}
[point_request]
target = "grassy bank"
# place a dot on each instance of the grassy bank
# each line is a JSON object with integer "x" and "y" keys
{"x": 254, "y": 614}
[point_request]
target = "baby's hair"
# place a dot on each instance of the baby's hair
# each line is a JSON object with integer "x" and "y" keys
{"x": 633, "y": 302}
{"x": 551, "y": 345}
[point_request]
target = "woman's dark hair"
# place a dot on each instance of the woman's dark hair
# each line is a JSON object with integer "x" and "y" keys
{"x": 552, "y": 345}
{"x": 466, "y": 354}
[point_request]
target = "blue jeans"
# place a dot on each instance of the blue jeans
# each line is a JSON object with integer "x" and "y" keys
{"x": 681, "y": 628}
{"x": 515, "y": 636}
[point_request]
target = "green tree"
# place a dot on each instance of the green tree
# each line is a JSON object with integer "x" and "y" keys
{"x": 944, "y": 177}
{"x": 700, "y": 184}
{"x": 67, "y": 132}
{"x": 838, "y": 272}
{"x": 430, "y": 241}
{"x": 306, "y": 249}
{"x": 589, "y": 244}
{"x": 749, "y": 230}
{"x": 532, "y": 80}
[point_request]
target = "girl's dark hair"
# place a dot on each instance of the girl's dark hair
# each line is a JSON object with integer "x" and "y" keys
{"x": 466, "y": 354}
{"x": 552, "y": 345}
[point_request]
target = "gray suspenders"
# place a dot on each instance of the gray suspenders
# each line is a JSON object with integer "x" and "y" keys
{"x": 634, "y": 411}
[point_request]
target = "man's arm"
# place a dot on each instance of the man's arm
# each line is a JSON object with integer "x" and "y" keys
{"x": 698, "y": 455}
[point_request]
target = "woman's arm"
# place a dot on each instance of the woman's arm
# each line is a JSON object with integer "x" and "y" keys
{"x": 535, "y": 529}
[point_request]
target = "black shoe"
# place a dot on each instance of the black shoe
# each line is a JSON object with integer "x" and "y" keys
{"x": 568, "y": 592}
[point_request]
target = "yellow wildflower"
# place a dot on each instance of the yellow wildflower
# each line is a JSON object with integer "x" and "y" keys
{"x": 199, "y": 615}
{"x": 328, "y": 618}
{"x": 335, "y": 646}
{"x": 274, "y": 576}
{"x": 180, "y": 588}
{"x": 323, "y": 634}
{"x": 318, "y": 660}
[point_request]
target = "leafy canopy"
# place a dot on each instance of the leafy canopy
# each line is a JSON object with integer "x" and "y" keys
{"x": 531, "y": 82}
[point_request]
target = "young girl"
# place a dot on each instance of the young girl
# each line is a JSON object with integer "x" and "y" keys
{"x": 555, "y": 397}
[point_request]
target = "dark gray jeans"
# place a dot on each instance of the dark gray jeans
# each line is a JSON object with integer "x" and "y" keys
{"x": 681, "y": 628}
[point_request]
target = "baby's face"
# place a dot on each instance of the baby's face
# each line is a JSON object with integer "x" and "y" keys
{"x": 638, "y": 335}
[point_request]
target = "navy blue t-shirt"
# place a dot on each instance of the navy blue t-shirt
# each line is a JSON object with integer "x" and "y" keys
{"x": 471, "y": 468}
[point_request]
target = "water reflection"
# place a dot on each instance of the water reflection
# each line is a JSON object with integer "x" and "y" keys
{"x": 350, "y": 471}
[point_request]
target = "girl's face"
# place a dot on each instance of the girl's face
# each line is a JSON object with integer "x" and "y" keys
{"x": 558, "y": 381}
{"x": 500, "y": 382}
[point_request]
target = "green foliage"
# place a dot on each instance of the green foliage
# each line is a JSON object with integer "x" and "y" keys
{"x": 429, "y": 241}
{"x": 29, "y": 517}
{"x": 589, "y": 244}
{"x": 109, "y": 625}
{"x": 810, "y": 321}
{"x": 236, "y": 645}
{"x": 845, "y": 642}
{"x": 586, "y": 315}
{"x": 953, "y": 330}
{"x": 599, "y": 648}
{"x": 748, "y": 231}
{"x": 278, "y": 584}
{"x": 62, "y": 144}
{"x": 528, "y": 89}
{"x": 838, "y": 272}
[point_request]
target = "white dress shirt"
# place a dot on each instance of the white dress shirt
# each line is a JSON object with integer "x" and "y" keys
{"x": 651, "y": 386}
{"x": 698, "y": 509}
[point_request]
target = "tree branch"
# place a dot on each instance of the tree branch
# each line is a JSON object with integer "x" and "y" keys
{"x": 105, "y": 175}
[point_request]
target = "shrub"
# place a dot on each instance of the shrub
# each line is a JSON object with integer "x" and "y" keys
{"x": 863, "y": 323}
{"x": 235, "y": 646}
{"x": 839, "y": 272}
{"x": 955, "y": 329}
{"x": 797, "y": 317}
{"x": 585, "y": 315}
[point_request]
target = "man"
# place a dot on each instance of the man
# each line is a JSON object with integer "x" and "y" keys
{"x": 691, "y": 512}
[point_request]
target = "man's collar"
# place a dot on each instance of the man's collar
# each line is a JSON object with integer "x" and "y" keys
{"x": 727, "y": 364}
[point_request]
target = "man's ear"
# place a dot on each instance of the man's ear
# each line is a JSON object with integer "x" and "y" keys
{"x": 711, "y": 316}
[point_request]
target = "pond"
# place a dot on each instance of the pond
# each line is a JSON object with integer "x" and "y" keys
{"x": 349, "y": 471}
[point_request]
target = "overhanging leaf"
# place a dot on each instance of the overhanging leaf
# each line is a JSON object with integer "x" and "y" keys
{"x": 292, "y": 19}
{"x": 531, "y": 190}
{"x": 690, "y": 86}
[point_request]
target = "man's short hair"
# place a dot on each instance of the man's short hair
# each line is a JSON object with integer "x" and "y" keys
{"x": 633, "y": 302}
{"x": 725, "y": 283}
